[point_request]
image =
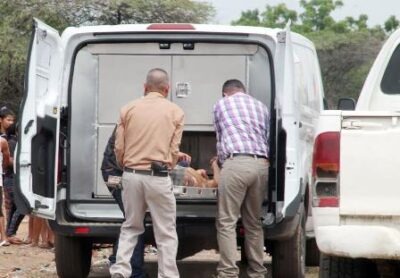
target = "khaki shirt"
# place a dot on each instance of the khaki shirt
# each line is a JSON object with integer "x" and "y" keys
{"x": 149, "y": 129}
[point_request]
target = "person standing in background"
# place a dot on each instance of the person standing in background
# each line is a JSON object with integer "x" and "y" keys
{"x": 4, "y": 162}
{"x": 14, "y": 217}
{"x": 7, "y": 118}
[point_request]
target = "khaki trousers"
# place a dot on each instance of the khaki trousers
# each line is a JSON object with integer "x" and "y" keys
{"x": 155, "y": 193}
{"x": 241, "y": 191}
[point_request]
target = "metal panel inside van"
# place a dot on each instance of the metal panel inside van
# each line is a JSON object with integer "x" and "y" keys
{"x": 107, "y": 76}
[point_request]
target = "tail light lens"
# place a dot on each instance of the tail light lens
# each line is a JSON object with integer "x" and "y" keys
{"x": 81, "y": 230}
{"x": 326, "y": 166}
{"x": 170, "y": 26}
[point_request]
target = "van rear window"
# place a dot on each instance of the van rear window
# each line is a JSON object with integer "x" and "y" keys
{"x": 391, "y": 79}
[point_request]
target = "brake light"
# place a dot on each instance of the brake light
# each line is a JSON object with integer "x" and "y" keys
{"x": 325, "y": 170}
{"x": 81, "y": 230}
{"x": 170, "y": 26}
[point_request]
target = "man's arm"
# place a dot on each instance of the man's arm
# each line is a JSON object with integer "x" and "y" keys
{"x": 218, "y": 131}
{"x": 176, "y": 139}
{"x": 119, "y": 147}
{"x": 6, "y": 153}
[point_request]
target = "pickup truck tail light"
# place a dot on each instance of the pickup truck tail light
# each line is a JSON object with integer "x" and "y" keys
{"x": 325, "y": 168}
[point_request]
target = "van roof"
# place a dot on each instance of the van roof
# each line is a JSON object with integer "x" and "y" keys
{"x": 178, "y": 28}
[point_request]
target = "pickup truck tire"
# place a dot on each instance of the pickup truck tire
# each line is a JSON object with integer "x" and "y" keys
{"x": 73, "y": 256}
{"x": 338, "y": 267}
{"x": 288, "y": 257}
{"x": 312, "y": 253}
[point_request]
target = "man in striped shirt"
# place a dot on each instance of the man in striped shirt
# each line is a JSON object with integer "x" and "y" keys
{"x": 242, "y": 128}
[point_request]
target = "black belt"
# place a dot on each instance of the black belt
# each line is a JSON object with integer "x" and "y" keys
{"x": 146, "y": 172}
{"x": 247, "y": 154}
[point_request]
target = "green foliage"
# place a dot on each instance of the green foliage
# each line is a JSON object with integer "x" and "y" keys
{"x": 278, "y": 16}
{"x": 317, "y": 14}
{"x": 346, "y": 48}
{"x": 345, "y": 60}
{"x": 143, "y": 11}
{"x": 249, "y": 18}
{"x": 391, "y": 24}
{"x": 16, "y": 27}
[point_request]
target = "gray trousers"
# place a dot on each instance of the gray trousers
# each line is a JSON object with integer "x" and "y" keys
{"x": 241, "y": 191}
{"x": 155, "y": 193}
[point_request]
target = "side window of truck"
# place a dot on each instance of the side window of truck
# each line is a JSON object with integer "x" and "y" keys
{"x": 391, "y": 79}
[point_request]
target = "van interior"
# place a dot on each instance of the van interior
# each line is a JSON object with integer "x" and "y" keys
{"x": 106, "y": 76}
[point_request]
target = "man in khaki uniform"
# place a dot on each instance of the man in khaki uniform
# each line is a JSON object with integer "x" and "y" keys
{"x": 149, "y": 130}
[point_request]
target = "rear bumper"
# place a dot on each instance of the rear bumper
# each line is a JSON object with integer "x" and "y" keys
{"x": 356, "y": 241}
{"x": 189, "y": 227}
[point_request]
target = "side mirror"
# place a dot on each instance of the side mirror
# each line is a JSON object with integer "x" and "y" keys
{"x": 346, "y": 104}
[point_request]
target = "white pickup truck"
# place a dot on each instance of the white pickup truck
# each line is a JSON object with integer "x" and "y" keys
{"x": 356, "y": 177}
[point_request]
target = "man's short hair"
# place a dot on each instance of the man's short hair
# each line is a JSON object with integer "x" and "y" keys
{"x": 6, "y": 112}
{"x": 157, "y": 78}
{"x": 233, "y": 84}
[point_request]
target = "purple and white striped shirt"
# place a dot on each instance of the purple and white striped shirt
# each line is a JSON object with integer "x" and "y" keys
{"x": 242, "y": 126}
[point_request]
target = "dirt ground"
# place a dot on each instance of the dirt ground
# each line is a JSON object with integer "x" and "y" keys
{"x": 24, "y": 261}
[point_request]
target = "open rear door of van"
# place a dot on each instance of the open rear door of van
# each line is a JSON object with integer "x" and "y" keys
{"x": 288, "y": 193}
{"x": 37, "y": 151}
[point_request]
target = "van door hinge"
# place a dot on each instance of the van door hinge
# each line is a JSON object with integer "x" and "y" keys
{"x": 24, "y": 163}
{"x": 63, "y": 113}
{"x": 281, "y": 36}
{"x": 40, "y": 34}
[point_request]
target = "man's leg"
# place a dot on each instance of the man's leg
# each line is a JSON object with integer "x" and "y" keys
{"x": 133, "y": 198}
{"x": 137, "y": 259}
{"x": 231, "y": 192}
{"x": 14, "y": 218}
{"x": 8, "y": 208}
{"x": 251, "y": 218}
{"x": 162, "y": 205}
{"x": 116, "y": 193}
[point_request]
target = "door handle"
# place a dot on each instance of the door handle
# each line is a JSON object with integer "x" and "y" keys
{"x": 28, "y": 126}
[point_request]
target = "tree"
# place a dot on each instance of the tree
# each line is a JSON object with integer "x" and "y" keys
{"x": 345, "y": 59}
{"x": 16, "y": 25}
{"x": 317, "y": 14}
{"x": 248, "y": 18}
{"x": 272, "y": 17}
{"x": 278, "y": 16}
{"x": 346, "y": 48}
{"x": 391, "y": 24}
{"x": 143, "y": 11}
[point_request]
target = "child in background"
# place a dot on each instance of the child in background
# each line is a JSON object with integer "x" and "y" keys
{"x": 14, "y": 217}
{"x": 4, "y": 161}
{"x": 7, "y": 118}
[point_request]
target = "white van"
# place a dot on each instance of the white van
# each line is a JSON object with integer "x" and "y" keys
{"x": 76, "y": 84}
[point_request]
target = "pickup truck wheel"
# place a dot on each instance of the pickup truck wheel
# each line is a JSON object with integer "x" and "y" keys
{"x": 312, "y": 253}
{"x": 73, "y": 256}
{"x": 288, "y": 257}
{"x": 338, "y": 267}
